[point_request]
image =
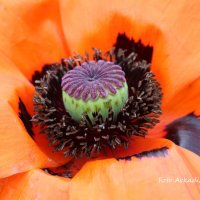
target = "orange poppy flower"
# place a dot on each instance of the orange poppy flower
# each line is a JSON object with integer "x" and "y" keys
{"x": 38, "y": 32}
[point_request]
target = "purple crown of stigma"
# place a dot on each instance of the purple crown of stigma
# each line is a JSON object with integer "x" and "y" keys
{"x": 93, "y": 79}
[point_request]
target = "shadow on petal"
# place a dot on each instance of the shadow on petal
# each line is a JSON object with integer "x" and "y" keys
{"x": 185, "y": 132}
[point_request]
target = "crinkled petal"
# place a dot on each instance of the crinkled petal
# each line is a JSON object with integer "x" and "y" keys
{"x": 172, "y": 27}
{"x": 140, "y": 176}
{"x": 35, "y": 184}
{"x": 18, "y": 151}
{"x": 31, "y": 34}
{"x": 184, "y": 102}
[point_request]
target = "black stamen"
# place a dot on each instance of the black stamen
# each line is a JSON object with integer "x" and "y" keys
{"x": 128, "y": 46}
{"x": 140, "y": 113}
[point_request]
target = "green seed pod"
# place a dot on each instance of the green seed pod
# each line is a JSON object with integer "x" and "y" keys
{"x": 94, "y": 87}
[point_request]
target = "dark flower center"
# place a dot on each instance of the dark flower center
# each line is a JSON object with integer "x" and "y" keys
{"x": 77, "y": 138}
{"x": 84, "y": 138}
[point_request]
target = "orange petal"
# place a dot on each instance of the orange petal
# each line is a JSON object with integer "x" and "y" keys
{"x": 137, "y": 178}
{"x": 31, "y": 33}
{"x": 34, "y": 184}
{"x": 172, "y": 27}
{"x": 184, "y": 102}
{"x": 18, "y": 151}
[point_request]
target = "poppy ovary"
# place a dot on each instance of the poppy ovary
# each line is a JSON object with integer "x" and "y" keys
{"x": 94, "y": 87}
